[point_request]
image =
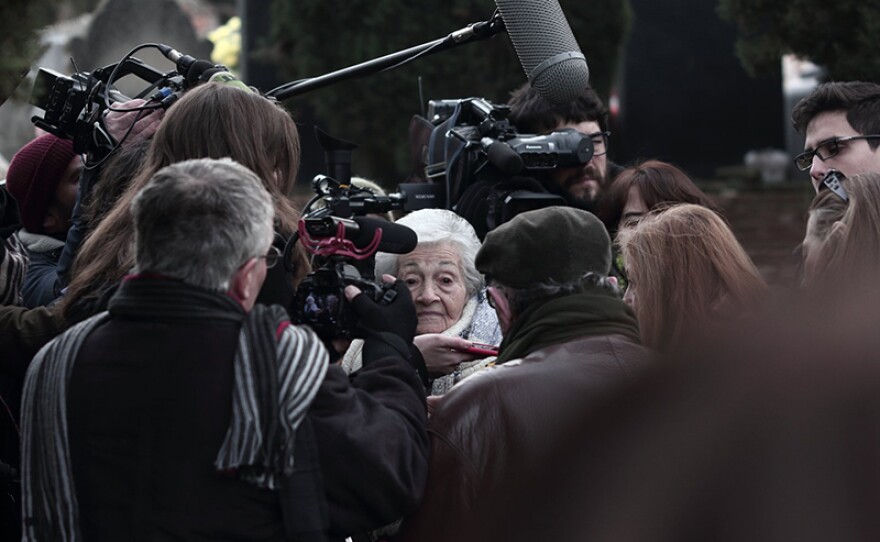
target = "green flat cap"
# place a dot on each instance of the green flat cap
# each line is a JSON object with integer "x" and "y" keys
{"x": 549, "y": 245}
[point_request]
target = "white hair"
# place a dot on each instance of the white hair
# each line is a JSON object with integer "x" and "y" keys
{"x": 434, "y": 227}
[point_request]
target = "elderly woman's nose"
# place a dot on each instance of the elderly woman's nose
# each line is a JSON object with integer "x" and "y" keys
{"x": 427, "y": 293}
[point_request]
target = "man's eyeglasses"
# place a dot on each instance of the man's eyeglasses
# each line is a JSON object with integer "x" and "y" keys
{"x": 600, "y": 142}
{"x": 272, "y": 257}
{"x": 825, "y": 150}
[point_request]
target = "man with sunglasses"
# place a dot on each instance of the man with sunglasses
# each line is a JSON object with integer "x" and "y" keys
{"x": 188, "y": 412}
{"x": 531, "y": 114}
{"x": 841, "y": 122}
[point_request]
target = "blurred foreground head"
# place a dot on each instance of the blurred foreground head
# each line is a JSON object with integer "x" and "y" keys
{"x": 770, "y": 431}
{"x": 843, "y": 238}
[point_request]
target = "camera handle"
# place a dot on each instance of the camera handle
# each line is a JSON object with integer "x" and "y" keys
{"x": 473, "y": 32}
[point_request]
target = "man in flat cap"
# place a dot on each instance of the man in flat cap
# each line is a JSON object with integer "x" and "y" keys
{"x": 568, "y": 340}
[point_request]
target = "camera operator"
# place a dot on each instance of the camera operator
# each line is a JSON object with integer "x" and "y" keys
{"x": 208, "y": 121}
{"x": 223, "y": 420}
{"x": 43, "y": 177}
{"x": 582, "y": 185}
{"x": 47, "y": 180}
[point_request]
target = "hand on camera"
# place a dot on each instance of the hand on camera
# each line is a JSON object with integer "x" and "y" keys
{"x": 118, "y": 123}
{"x": 395, "y": 313}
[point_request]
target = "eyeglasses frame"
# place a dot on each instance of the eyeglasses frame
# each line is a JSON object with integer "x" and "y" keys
{"x": 836, "y": 141}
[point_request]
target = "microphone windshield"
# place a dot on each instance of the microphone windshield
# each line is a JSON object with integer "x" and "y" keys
{"x": 396, "y": 238}
{"x": 546, "y": 48}
{"x": 502, "y": 156}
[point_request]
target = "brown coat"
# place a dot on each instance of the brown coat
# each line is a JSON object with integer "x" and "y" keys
{"x": 494, "y": 425}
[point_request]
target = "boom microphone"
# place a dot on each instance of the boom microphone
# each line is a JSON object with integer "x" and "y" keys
{"x": 546, "y": 48}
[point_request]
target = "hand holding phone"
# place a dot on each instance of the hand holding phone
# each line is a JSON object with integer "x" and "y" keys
{"x": 480, "y": 349}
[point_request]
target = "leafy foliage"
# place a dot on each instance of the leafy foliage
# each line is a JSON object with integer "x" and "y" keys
{"x": 20, "y": 20}
{"x": 839, "y": 35}
{"x": 318, "y": 36}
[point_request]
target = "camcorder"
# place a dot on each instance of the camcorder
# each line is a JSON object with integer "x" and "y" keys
{"x": 343, "y": 240}
{"x": 74, "y": 106}
{"x": 479, "y": 166}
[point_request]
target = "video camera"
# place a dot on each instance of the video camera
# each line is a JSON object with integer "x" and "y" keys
{"x": 74, "y": 105}
{"x": 482, "y": 167}
{"x": 344, "y": 241}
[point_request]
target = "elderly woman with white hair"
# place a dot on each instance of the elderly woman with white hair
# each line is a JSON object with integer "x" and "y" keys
{"x": 449, "y": 294}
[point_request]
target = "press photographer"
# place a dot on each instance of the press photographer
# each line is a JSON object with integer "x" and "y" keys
{"x": 249, "y": 433}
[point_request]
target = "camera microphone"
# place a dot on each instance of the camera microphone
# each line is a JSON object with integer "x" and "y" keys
{"x": 502, "y": 156}
{"x": 197, "y": 71}
{"x": 181, "y": 61}
{"x": 360, "y": 230}
{"x": 396, "y": 238}
{"x": 546, "y": 48}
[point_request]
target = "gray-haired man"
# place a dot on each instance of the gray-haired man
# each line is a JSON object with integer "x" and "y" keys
{"x": 186, "y": 412}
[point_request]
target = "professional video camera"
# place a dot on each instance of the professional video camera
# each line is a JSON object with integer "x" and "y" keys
{"x": 481, "y": 167}
{"x": 344, "y": 242}
{"x": 74, "y": 105}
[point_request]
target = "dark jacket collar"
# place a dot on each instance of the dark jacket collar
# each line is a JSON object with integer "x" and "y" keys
{"x": 155, "y": 296}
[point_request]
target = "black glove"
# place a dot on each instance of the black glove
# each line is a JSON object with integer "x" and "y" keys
{"x": 387, "y": 325}
{"x": 394, "y": 313}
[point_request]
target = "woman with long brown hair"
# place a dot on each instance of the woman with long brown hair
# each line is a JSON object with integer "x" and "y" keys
{"x": 210, "y": 121}
{"x": 686, "y": 273}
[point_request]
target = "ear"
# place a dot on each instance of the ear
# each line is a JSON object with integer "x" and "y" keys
{"x": 502, "y": 309}
{"x": 243, "y": 287}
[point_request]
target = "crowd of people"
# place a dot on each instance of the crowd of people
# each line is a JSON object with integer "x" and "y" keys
{"x": 613, "y": 368}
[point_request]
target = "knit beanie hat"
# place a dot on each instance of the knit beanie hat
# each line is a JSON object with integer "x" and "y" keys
{"x": 34, "y": 174}
{"x": 549, "y": 245}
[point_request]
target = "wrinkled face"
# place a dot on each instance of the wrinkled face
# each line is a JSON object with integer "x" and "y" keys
{"x": 634, "y": 209}
{"x": 584, "y": 182}
{"x": 436, "y": 281}
{"x": 853, "y": 157}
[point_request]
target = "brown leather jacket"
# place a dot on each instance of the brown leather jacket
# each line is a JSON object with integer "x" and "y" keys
{"x": 494, "y": 425}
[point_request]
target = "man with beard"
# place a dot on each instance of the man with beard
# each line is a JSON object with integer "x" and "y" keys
{"x": 531, "y": 114}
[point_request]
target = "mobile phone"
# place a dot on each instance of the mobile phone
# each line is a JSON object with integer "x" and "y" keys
{"x": 482, "y": 350}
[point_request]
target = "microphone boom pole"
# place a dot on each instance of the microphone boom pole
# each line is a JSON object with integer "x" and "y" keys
{"x": 471, "y": 33}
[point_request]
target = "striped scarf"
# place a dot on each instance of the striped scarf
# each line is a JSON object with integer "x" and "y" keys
{"x": 277, "y": 371}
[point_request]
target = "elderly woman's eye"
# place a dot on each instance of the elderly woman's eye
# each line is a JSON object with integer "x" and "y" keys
{"x": 411, "y": 281}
